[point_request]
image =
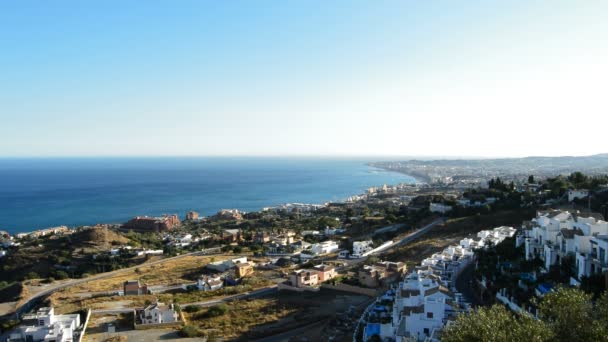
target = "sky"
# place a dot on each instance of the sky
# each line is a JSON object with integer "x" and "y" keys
{"x": 274, "y": 78}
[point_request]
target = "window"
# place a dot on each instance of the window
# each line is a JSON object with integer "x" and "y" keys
{"x": 429, "y": 315}
{"x": 426, "y": 331}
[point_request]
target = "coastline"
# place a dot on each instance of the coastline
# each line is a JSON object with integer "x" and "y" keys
{"x": 242, "y": 205}
{"x": 420, "y": 177}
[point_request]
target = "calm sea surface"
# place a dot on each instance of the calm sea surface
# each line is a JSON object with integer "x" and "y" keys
{"x": 38, "y": 193}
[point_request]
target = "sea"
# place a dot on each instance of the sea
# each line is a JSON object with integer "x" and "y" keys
{"x": 46, "y": 192}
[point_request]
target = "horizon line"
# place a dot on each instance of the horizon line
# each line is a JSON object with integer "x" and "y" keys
{"x": 319, "y": 156}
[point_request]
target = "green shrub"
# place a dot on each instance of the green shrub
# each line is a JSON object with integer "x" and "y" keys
{"x": 192, "y": 308}
{"x": 217, "y": 310}
{"x": 190, "y": 331}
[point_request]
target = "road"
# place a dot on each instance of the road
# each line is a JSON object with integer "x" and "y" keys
{"x": 56, "y": 287}
{"x": 252, "y": 294}
{"x": 52, "y": 288}
{"x": 412, "y": 236}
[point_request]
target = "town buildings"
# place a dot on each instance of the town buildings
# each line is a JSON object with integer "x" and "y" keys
{"x": 229, "y": 214}
{"x": 420, "y": 305}
{"x": 45, "y": 325}
{"x": 555, "y": 234}
{"x": 232, "y": 235}
{"x": 192, "y": 216}
{"x": 153, "y": 224}
{"x": 44, "y": 232}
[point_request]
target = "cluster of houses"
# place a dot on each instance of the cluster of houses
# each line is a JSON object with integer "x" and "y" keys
{"x": 299, "y": 208}
{"x": 420, "y": 306}
{"x": 134, "y": 251}
{"x": 225, "y": 272}
{"x": 45, "y": 325}
{"x": 557, "y": 234}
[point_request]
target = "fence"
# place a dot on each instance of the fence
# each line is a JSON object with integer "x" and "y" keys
{"x": 84, "y": 327}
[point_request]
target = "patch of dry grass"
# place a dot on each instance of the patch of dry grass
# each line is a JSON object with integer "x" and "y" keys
{"x": 170, "y": 272}
{"x": 242, "y": 316}
{"x": 68, "y": 303}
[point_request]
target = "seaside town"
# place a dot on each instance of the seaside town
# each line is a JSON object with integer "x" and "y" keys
{"x": 397, "y": 263}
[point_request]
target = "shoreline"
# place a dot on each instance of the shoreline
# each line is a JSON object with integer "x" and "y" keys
{"x": 419, "y": 177}
{"x": 416, "y": 180}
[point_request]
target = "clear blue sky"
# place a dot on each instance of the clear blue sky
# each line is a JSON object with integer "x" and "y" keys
{"x": 485, "y": 78}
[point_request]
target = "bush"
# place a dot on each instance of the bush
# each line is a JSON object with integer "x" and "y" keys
{"x": 217, "y": 310}
{"x": 190, "y": 331}
{"x": 32, "y": 275}
{"x": 61, "y": 275}
{"x": 192, "y": 308}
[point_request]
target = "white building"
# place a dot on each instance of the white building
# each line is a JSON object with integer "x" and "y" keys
{"x": 362, "y": 247}
{"x": 209, "y": 283}
{"x": 424, "y": 301}
{"x": 555, "y": 234}
{"x": 223, "y": 266}
{"x": 577, "y": 194}
{"x": 324, "y": 247}
{"x": 439, "y": 208}
{"x": 158, "y": 313}
{"x": 44, "y": 325}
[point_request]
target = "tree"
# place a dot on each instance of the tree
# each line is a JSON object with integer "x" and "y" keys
{"x": 496, "y": 324}
{"x": 568, "y": 313}
{"x": 32, "y": 275}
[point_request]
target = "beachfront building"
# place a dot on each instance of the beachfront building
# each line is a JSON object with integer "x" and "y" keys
{"x": 44, "y": 325}
{"x": 152, "y": 224}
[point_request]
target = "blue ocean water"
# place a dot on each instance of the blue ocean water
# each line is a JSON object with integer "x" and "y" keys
{"x": 39, "y": 193}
